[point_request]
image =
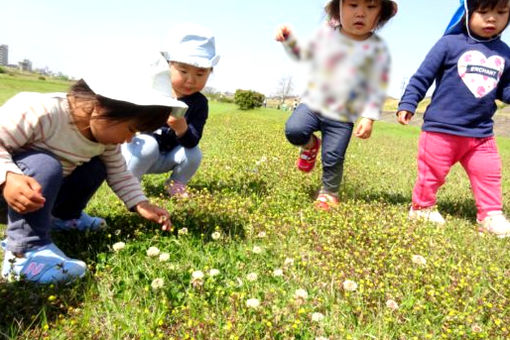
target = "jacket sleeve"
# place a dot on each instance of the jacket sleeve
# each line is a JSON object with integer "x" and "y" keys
{"x": 196, "y": 122}
{"x": 421, "y": 81}
{"x": 504, "y": 89}
{"x": 298, "y": 50}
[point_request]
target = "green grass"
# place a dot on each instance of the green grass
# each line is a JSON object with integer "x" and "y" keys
{"x": 248, "y": 190}
{"x": 14, "y": 82}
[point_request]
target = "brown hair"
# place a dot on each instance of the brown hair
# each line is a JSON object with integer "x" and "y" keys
{"x": 145, "y": 117}
{"x": 387, "y": 11}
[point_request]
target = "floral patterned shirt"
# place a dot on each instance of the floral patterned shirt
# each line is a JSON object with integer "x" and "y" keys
{"x": 348, "y": 78}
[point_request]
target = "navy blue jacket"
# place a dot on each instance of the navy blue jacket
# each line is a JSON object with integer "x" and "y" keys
{"x": 196, "y": 116}
{"x": 470, "y": 75}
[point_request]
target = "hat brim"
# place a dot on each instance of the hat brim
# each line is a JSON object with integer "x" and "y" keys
{"x": 148, "y": 85}
{"x": 195, "y": 61}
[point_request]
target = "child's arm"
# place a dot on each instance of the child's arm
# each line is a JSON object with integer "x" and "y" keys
{"x": 24, "y": 119}
{"x": 421, "y": 81}
{"x": 128, "y": 189}
{"x": 292, "y": 46}
{"x": 377, "y": 84}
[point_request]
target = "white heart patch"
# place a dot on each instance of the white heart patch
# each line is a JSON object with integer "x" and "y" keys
{"x": 480, "y": 74}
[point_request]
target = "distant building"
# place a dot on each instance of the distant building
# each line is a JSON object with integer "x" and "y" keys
{"x": 25, "y": 65}
{"x": 4, "y": 55}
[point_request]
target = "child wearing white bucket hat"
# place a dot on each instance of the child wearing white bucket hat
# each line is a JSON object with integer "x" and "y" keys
{"x": 471, "y": 68}
{"x": 55, "y": 145}
{"x": 348, "y": 79}
{"x": 191, "y": 56}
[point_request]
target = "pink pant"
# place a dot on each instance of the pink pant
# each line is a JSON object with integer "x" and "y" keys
{"x": 438, "y": 152}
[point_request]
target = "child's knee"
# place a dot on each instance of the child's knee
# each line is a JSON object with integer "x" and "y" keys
{"x": 295, "y": 134}
{"x": 194, "y": 156}
{"x": 40, "y": 165}
{"x": 143, "y": 147}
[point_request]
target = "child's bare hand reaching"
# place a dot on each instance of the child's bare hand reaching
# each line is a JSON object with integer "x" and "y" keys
{"x": 155, "y": 214}
{"x": 23, "y": 193}
{"x": 282, "y": 33}
{"x": 364, "y": 128}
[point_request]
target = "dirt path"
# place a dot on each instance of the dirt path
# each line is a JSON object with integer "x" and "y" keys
{"x": 501, "y": 121}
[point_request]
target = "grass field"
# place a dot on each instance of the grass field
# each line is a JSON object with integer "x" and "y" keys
{"x": 273, "y": 267}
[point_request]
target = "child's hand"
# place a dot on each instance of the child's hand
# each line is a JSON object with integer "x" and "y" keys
{"x": 179, "y": 125}
{"x": 404, "y": 117}
{"x": 282, "y": 33}
{"x": 364, "y": 128}
{"x": 23, "y": 193}
{"x": 154, "y": 214}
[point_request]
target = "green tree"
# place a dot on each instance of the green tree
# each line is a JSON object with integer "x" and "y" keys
{"x": 247, "y": 99}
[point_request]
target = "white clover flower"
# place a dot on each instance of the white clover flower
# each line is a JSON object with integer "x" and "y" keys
{"x": 214, "y": 272}
{"x": 262, "y": 160}
{"x": 183, "y": 231}
{"x": 392, "y": 304}
{"x": 257, "y": 250}
{"x": 277, "y": 272}
{"x": 476, "y": 328}
{"x": 252, "y": 277}
{"x": 350, "y": 285}
{"x": 157, "y": 283}
{"x": 317, "y": 317}
{"x": 262, "y": 234}
{"x": 118, "y": 246}
{"x": 321, "y": 338}
{"x": 252, "y": 303}
{"x": 288, "y": 261}
{"x": 301, "y": 294}
{"x": 419, "y": 260}
{"x": 197, "y": 278}
{"x": 163, "y": 257}
{"x": 152, "y": 252}
{"x": 216, "y": 235}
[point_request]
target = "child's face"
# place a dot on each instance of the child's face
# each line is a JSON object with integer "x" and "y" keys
{"x": 107, "y": 132}
{"x": 187, "y": 79}
{"x": 489, "y": 22}
{"x": 359, "y": 17}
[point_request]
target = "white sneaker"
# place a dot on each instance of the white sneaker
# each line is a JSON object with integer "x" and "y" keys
{"x": 427, "y": 214}
{"x": 495, "y": 223}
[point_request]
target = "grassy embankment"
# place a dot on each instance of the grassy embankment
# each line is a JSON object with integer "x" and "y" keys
{"x": 248, "y": 191}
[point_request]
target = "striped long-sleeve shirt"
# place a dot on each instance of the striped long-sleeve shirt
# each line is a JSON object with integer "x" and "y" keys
{"x": 44, "y": 122}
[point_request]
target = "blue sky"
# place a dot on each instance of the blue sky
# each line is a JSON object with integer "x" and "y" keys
{"x": 75, "y": 37}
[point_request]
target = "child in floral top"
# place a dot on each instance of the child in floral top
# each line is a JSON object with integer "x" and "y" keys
{"x": 348, "y": 80}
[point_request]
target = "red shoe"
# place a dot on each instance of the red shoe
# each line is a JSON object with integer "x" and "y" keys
{"x": 307, "y": 157}
{"x": 326, "y": 201}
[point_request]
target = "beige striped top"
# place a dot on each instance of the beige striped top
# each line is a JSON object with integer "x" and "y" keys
{"x": 42, "y": 121}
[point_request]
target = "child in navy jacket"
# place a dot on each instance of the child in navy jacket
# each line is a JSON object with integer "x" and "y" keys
{"x": 471, "y": 67}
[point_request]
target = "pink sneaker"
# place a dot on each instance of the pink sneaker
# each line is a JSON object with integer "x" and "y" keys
{"x": 177, "y": 189}
{"x": 307, "y": 157}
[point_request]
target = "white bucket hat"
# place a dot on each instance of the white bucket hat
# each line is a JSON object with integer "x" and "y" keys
{"x": 193, "y": 45}
{"x": 145, "y": 84}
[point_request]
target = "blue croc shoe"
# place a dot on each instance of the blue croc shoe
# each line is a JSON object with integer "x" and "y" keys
{"x": 46, "y": 264}
{"x": 83, "y": 223}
